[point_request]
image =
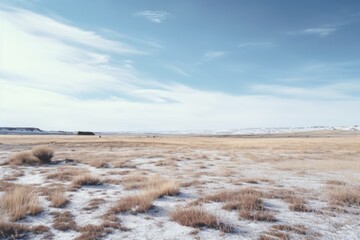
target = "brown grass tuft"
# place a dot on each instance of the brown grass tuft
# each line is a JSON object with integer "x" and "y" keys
{"x": 263, "y": 216}
{"x": 58, "y": 198}
{"x": 94, "y": 204}
{"x": 247, "y": 201}
{"x": 24, "y": 158}
{"x": 20, "y": 201}
{"x": 64, "y": 221}
{"x": 161, "y": 187}
{"x": 90, "y": 232}
{"x": 296, "y": 203}
{"x": 274, "y": 235}
{"x": 86, "y": 180}
{"x": 67, "y": 173}
{"x": 298, "y": 229}
{"x": 19, "y": 231}
{"x": 141, "y": 202}
{"x": 12, "y": 230}
{"x": 335, "y": 182}
{"x": 228, "y": 196}
{"x": 197, "y": 217}
{"x": 99, "y": 163}
{"x": 155, "y": 187}
{"x": 344, "y": 196}
{"x": 134, "y": 182}
{"x": 43, "y": 153}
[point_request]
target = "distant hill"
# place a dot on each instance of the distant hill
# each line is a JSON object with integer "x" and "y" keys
{"x": 29, "y": 131}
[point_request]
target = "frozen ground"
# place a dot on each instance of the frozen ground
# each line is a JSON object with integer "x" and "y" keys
{"x": 311, "y": 168}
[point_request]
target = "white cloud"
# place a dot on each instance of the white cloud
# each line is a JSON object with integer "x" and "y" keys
{"x": 210, "y": 55}
{"x": 320, "y": 31}
{"x": 47, "y": 54}
{"x": 193, "y": 109}
{"x": 54, "y": 80}
{"x": 153, "y": 16}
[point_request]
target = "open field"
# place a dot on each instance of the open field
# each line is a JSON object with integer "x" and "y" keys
{"x": 301, "y": 186}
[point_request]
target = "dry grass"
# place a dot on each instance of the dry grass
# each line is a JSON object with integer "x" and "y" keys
{"x": 67, "y": 173}
{"x": 12, "y": 230}
{"x": 5, "y": 186}
{"x": 298, "y": 229}
{"x": 125, "y": 163}
{"x": 153, "y": 184}
{"x": 124, "y": 172}
{"x": 228, "y": 196}
{"x": 141, "y": 202}
{"x": 58, "y": 198}
{"x": 19, "y": 202}
{"x": 94, "y": 204}
{"x": 23, "y": 158}
{"x": 335, "y": 182}
{"x": 64, "y": 221}
{"x": 160, "y": 187}
{"x": 19, "y": 231}
{"x": 296, "y": 203}
{"x": 274, "y": 235}
{"x": 246, "y": 201}
{"x": 37, "y": 155}
{"x": 191, "y": 183}
{"x": 14, "y": 176}
{"x": 263, "y": 216}
{"x": 86, "y": 180}
{"x": 91, "y": 232}
{"x": 280, "y": 232}
{"x": 99, "y": 163}
{"x": 134, "y": 182}
{"x": 43, "y": 153}
{"x": 154, "y": 188}
{"x": 197, "y": 217}
{"x": 344, "y": 196}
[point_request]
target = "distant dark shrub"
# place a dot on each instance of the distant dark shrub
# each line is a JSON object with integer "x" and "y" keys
{"x": 86, "y": 133}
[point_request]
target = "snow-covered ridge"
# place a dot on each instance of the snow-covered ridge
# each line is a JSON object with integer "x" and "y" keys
{"x": 28, "y": 131}
{"x": 245, "y": 131}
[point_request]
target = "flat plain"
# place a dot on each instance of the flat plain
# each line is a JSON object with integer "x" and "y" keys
{"x": 284, "y": 186}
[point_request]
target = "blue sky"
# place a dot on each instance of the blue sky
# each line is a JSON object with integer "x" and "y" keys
{"x": 177, "y": 65}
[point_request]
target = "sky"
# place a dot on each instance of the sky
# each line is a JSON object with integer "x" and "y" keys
{"x": 166, "y": 65}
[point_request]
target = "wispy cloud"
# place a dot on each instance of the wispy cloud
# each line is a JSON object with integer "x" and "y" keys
{"x": 255, "y": 44}
{"x": 336, "y": 91}
{"x": 211, "y": 55}
{"x": 319, "y": 31}
{"x": 51, "y": 55}
{"x": 153, "y": 16}
{"x": 177, "y": 70}
{"x": 45, "y": 26}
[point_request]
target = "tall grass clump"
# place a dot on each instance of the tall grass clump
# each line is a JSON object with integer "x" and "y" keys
{"x": 36, "y": 156}
{"x": 19, "y": 202}
{"x": 23, "y": 158}
{"x": 43, "y": 153}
